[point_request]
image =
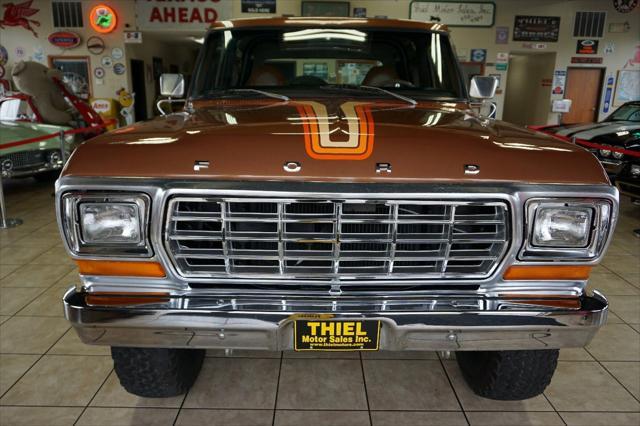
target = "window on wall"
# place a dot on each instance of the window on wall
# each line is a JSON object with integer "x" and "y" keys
{"x": 67, "y": 14}
{"x": 589, "y": 24}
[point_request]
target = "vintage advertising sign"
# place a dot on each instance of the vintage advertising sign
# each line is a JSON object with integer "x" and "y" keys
{"x": 133, "y": 37}
{"x": 587, "y": 47}
{"x": 502, "y": 35}
{"x": 607, "y": 94}
{"x": 258, "y": 6}
{"x": 454, "y": 13}
{"x": 95, "y": 45}
{"x": 536, "y": 28}
{"x": 64, "y": 39}
{"x": 183, "y": 15}
{"x": 559, "y": 81}
{"x": 585, "y": 60}
{"x": 331, "y": 335}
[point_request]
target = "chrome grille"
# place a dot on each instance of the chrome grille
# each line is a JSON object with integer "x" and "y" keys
{"x": 22, "y": 159}
{"x": 282, "y": 238}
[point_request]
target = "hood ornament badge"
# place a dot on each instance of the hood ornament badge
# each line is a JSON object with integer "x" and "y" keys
{"x": 292, "y": 166}
{"x": 471, "y": 169}
{"x": 383, "y": 168}
{"x": 200, "y": 165}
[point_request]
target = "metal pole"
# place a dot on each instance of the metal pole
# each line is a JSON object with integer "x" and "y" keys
{"x": 63, "y": 150}
{"x": 6, "y": 222}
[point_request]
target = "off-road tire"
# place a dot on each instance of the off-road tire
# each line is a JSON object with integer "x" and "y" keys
{"x": 508, "y": 375}
{"x": 157, "y": 372}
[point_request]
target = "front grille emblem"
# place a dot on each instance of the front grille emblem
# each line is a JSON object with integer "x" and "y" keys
{"x": 383, "y": 167}
{"x": 471, "y": 169}
{"x": 292, "y": 166}
{"x": 200, "y": 165}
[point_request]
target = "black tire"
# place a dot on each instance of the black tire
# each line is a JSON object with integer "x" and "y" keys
{"x": 508, "y": 375}
{"x": 157, "y": 372}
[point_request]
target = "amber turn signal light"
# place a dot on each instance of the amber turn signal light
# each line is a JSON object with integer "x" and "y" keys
{"x": 121, "y": 268}
{"x": 547, "y": 272}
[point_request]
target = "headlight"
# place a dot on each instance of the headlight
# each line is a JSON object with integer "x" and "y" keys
{"x": 617, "y": 155}
{"x": 635, "y": 170}
{"x": 605, "y": 152}
{"x": 106, "y": 224}
{"x": 571, "y": 229}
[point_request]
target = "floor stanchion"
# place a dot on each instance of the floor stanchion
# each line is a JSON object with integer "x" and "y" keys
{"x": 6, "y": 222}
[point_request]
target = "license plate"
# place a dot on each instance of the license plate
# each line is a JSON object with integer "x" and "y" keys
{"x": 334, "y": 335}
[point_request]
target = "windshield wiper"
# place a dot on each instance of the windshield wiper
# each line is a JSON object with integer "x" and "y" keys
{"x": 260, "y": 92}
{"x": 410, "y": 101}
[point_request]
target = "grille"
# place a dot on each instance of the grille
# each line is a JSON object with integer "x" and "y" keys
{"x": 25, "y": 158}
{"x": 212, "y": 237}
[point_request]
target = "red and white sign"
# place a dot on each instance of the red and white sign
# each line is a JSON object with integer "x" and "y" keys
{"x": 101, "y": 106}
{"x": 65, "y": 39}
{"x": 181, "y": 15}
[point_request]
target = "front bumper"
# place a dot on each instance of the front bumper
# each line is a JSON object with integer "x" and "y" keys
{"x": 408, "y": 323}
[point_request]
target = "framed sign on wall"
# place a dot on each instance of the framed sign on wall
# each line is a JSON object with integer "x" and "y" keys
{"x": 627, "y": 87}
{"x": 454, "y": 13}
{"x": 76, "y": 73}
{"x": 536, "y": 28}
{"x": 326, "y": 8}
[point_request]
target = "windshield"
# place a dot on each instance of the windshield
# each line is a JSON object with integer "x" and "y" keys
{"x": 412, "y": 63}
{"x": 629, "y": 112}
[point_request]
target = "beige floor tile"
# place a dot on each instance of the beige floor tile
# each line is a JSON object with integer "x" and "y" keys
{"x": 12, "y": 367}
{"x": 7, "y": 269}
{"x": 514, "y": 418}
{"x": 201, "y": 416}
{"x": 627, "y": 373}
{"x": 601, "y": 419}
{"x": 575, "y": 354}
{"x": 321, "y": 384}
{"x": 35, "y": 239}
{"x": 633, "y": 279}
{"x": 408, "y": 385}
{"x": 415, "y": 418}
{"x": 54, "y": 256}
{"x": 70, "y": 279}
{"x": 613, "y": 319}
{"x": 235, "y": 383}
{"x": 47, "y": 304}
{"x": 112, "y": 394}
{"x": 622, "y": 263}
{"x": 626, "y": 307}
{"x": 35, "y": 276}
{"x": 4, "y": 318}
{"x": 602, "y": 392}
{"x": 321, "y": 418}
{"x": 60, "y": 380}
{"x": 400, "y": 355}
{"x": 636, "y": 327}
{"x": 612, "y": 285}
{"x": 39, "y": 416}
{"x": 70, "y": 344}
{"x": 127, "y": 416}
{"x": 615, "y": 342}
{"x": 31, "y": 335}
{"x": 12, "y": 299}
{"x": 13, "y": 255}
{"x": 472, "y": 402}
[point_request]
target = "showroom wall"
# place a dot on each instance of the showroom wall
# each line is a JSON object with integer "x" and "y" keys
{"x": 621, "y": 47}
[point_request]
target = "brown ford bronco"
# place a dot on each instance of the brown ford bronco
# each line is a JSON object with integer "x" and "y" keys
{"x": 328, "y": 187}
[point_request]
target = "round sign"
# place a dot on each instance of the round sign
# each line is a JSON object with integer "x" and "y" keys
{"x": 95, "y": 45}
{"x": 64, "y": 39}
{"x": 4, "y": 55}
{"x": 118, "y": 68}
{"x": 625, "y": 6}
{"x": 103, "y": 19}
{"x": 99, "y": 72}
{"x": 117, "y": 53}
{"x": 107, "y": 61}
{"x": 2, "y": 71}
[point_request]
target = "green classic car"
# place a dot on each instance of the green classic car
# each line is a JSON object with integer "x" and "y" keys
{"x": 19, "y": 123}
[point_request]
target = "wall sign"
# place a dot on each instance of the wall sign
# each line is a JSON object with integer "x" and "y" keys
{"x": 502, "y": 35}
{"x": 95, "y": 45}
{"x": 585, "y": 60}
{"x": 103, "y": 19}
{"x": 454, "y": 13}
{"x": 2, "y": 71}
{"x": 559, "y": 81}
{"x": 536, "y": 28}
{"x": 117, "y": 53}
{"x": 118, "y": 69}
{"x": 627, "y": 87}
{"x": 192, "y": 15}
{"x": 4, "y": 55}
{"x": 64, "y": 39}
{"x": 98, "y": 72}
{"x": 20, "y": 52}
{"x": 478, "y": 55}
{"x": 107, "y": 61}
{"x": 587, "y": 47}
{"x": 607, "y": 94}
{"x": 359, "y": 12}
{"x": 133, "y": 37}
{"x": 625, "y": 6}
{"x": 17, "y": 15}
{"x": 258, "y": 6}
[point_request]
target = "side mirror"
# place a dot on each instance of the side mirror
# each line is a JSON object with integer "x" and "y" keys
{"x": 172, "y": 85}
{"x": 483, "y": 87}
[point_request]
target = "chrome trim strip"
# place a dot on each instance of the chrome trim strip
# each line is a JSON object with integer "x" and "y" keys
{"x": 476, "y": 323}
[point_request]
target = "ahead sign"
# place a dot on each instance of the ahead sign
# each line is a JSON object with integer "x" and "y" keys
{"x": 181, "y": 15}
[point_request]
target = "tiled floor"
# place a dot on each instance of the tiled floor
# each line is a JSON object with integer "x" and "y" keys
{"x": 47, "y": 377}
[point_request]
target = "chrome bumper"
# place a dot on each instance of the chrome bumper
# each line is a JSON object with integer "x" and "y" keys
{"x": 408, "y": 323}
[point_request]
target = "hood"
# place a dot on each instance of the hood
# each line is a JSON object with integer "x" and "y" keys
{"x": 594, "y": 130}
{"x": 333, "y": 140}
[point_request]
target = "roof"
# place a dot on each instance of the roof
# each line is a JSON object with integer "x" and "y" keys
{"x": 404, "y": 24}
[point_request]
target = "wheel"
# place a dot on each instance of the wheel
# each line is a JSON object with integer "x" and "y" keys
{"x": 157, "y": 372}
{"x": 508, "y": 375}
{"x": 49, "y": 176}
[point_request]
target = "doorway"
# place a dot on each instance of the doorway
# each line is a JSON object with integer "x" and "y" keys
{"x": 583, "y": 87}
{"x": 528, "y": 90}
{"x": 138, "y": 83}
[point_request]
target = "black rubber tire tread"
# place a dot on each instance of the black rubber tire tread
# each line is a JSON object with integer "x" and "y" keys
{"x": 508, "y": 375}
{"x": 157, "y": 372}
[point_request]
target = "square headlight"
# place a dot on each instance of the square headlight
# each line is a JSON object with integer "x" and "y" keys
{"x": 566, "y": 229}
{"x": 110, "y": 224}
